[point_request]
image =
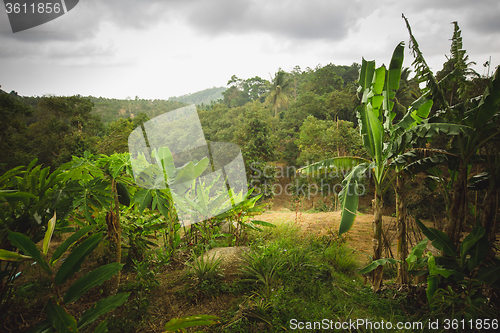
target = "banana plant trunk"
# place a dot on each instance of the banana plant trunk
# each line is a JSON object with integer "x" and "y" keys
{"x": 377, "y": 273}
{"x": 458, "y": 209}
{"x": 488, "y": 216}
{"x": 402, "y": 245}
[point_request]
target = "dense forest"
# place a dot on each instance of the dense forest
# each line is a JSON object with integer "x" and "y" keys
{"x": 202, "y": 98}
{"x": 101, "y": 125}
{"x": 424, "y": 144}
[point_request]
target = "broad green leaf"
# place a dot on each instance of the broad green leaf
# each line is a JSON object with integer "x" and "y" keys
{"x": 374, "y": 264}
{"x": 366, "y": 78}
{"x": 43, "y": 178}
{"x": 102, "y": 327}
{"x": 432, "y": 283}
{"x": 74, "y": 261}
{"x": 439, "y": 239}
{"x": 68, "y": 243}
{"x": 143, "y": 198}
{"x": 163, "y": 205}
{"x": 191, "y": 171}
{"x": 349, "y": 198}
{"x": 102, "y": 307}
{"x": 251, "y": 226}
{"x": 372, "y": 132}
{"x": 417, "y": 251}
{"x": 490, "y": 273}
{"x": 60, "y": 318}
{"x": 422, "y": 105}
{"x": 469, "y": 241}
{"x": 25, "y": 244}
{"x": 441, "y": 271}
{"x": 378, "y": 81}
{"x": 90, "y": 280}
{"x": 424, "y": 110}
{"x": 478, "y": 253}
{"x": 376, "y": 104}
{"x": 263, "y": 223}
{"x": 332, "y": 165}
{"x": 177, "y": 324}
{"x": 488, "y": 106}
{"x": 123, "y": 193}
{"x": 44, "y": 327}
{"x": 13, "y": 195}
{"x": 166, "y": 160}
{"x": 13, "y": 256}
{"x": 48, "y": 234}
{"x": 394, "y": 75}
{"x": 11, "y": 174}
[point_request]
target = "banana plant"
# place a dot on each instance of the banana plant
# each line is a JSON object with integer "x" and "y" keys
{"x": 378, "y": 88}
{"x": 415, "y": 260}
{"x": 478, "y": 117}
{"x": 59, "y": 320}
{"x": 467, "y": 263}
{"x": 242, "y": 214}
{"x": 159, "y": 178}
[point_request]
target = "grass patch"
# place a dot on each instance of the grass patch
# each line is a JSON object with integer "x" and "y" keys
{"x": 308, "y": 279}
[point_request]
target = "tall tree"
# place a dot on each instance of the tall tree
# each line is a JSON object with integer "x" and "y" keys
{"x": 278, "y": 95}
{"x": 13, "y": 131}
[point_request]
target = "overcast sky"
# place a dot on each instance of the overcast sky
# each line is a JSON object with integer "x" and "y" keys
{"x": 156, "y": 49}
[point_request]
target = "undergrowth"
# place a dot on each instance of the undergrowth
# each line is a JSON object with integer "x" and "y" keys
{"x": 307, "y": 279}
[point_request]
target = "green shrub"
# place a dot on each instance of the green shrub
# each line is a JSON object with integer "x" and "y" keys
{"x": 204, "y": 269}
{"x": 340, "y": 256}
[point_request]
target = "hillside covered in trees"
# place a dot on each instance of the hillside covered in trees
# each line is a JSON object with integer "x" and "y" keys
{"x": 203, "y": 97}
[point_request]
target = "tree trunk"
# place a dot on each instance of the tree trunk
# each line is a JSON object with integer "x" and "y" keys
{"x": 401, "y": 229}
{"x": 377, "y": 273}
{"x": 114, "y": 234}
{"x": 458, "y": 209}
{"x": 488, "y": 217}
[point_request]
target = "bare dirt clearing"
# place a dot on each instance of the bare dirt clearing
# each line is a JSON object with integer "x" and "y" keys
{"x": 359, "y": 237}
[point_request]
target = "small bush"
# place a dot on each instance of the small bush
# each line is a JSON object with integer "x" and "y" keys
{"x": 262, "y": 270}
{"x": 204, "y": 269}
{"x": 340, "y": 256}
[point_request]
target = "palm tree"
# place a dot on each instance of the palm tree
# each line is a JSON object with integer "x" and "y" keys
{"x": 408, "y": 92}
{"x": 278, "y": 96}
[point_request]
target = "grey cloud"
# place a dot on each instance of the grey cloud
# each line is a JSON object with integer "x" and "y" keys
{"x": 291, "y": 19}
{"x": 297, "y": 19}
{"x": 85, "y": 20}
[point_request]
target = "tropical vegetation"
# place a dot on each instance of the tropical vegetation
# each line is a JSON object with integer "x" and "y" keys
{"x": 97, "y": 236}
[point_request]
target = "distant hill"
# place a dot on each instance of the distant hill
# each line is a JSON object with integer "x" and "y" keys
{"x": 110, "y": 109}
{"x": 201, "y": 97}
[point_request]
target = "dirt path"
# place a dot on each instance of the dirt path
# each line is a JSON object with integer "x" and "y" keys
{"x": 359, "y": 237}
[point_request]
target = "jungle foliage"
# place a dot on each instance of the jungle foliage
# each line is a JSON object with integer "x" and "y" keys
{"x": 65, "y": 169}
